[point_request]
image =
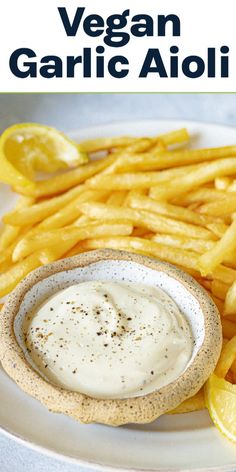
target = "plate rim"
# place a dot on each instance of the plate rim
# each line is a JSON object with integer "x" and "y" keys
{"x": 49, "y": 452}
{"x": 72, "y": 133}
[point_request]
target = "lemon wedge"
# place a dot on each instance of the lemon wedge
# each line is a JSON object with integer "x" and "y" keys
{"x": 27, "y": 148}
{"x": 220, "y": 398}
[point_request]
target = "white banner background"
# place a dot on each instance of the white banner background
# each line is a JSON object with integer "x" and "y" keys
{"x": 37, "y": 25}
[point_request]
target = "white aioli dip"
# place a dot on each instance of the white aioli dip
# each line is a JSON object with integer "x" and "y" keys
{"x": 109, "y": 339}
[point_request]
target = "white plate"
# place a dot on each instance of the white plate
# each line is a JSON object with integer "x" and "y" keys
{"x": 181, "y": 442}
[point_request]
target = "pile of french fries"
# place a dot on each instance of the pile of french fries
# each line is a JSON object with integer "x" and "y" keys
{"x": 154, "y": 196}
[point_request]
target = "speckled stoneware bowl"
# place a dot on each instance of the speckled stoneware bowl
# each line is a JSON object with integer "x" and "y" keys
{"x": 192, "y": 300}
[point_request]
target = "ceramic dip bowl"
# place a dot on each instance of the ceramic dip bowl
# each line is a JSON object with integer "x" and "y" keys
{"x": 193, "y": 301}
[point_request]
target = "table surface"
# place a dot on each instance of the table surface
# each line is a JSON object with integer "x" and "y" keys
{"x": 72, "y": 111}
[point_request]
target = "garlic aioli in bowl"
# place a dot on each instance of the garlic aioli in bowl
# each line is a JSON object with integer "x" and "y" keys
{"x": 109, "y": 340}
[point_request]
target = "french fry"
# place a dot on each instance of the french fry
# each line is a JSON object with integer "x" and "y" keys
{"x": 117, "y": 198}
{"x": 232, "y": 186}
{"x": 82, "y": 220}
{"x": 103, "y": 144}
{"x": 17, "y": 272}
{"x": 67, "y": 180}
{"x": 91, "y": 244}
{"x": 192, "y": 206}
{"x": 175, "y": 137}
{"x": 229, "y": 328}
{"x": 8, "y": 236}
{"x": 222, "y": 183}
{"x": 164, "y": 160}
{"x": 138, "y": 146}
{"x": 182, "y": 242}
{"x": 194, "y": 179}
{"x": 220, "y": 208}
{"x": 233, "y": 368}
{"x": 4, "y": 266}
{"x": 166, "y": 253}
{"x": 145, "y": 219}
{"x": 69, "y": 213}
{"x": 209, "y": 261}
{"x": 139, "y": 232}
{"x": 53, "y": 253}
{"x": 6, "y": 255}
{"x": 230, "y": 260}
{"x": 38, "y": 212}
{"x": 186, "y": 259}
{"x": 9, "y": 233}
{"x": 140, "y": 180}
{"x": 227, "y": 357}
{"x": 219, "y": 289}
{"x": 224, "y": 274}
{"x": 141, "y": 145}
{"x": 201, "y": 195}
{"x": 167, "y": 209}
{"x": 58, "y": 237}
{"x": 206, "y": 284}
{"x": 146, "y": 161}
{"x": 124, "y": 181}
{"x": 229, "y": 317}
{"x": 68, "y": 249}
{"x": 230, "y": 301}
{"x": 133, "y": 193}
{"x": 194, "y": 403}
{"x": 75, "y": 250}
{"x": 230, "y": 377}
{"x": 217, "y": 228}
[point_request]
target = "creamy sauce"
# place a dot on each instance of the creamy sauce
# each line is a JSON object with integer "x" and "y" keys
{"x": 109, "y": 339}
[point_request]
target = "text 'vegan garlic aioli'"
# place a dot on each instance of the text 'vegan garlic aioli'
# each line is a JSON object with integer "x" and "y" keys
{"x": 109, "y": 339}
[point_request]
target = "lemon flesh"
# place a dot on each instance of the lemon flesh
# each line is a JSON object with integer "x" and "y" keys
{"x": 220, "y": 398}
{"x": 28, "y": 148}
